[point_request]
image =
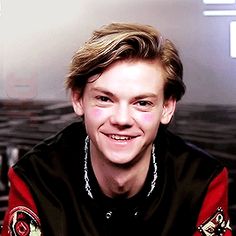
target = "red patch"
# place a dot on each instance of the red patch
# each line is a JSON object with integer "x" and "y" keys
{"x": 24, "y": 222}
{"x": 216, "y": 225}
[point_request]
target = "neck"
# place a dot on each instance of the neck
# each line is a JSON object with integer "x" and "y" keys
{"x": 118, "y": 180}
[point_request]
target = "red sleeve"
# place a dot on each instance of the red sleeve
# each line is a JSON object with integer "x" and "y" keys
{"x": 213, "y": 218}
{"x": 21, "y": 217}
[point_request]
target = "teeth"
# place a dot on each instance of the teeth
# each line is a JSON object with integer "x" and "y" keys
{"x": 117, "y": 137}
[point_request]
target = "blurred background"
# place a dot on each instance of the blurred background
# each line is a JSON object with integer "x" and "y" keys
{"x": 39, "y": 37}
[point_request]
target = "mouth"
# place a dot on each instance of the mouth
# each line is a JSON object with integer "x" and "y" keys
{"x": 120, "y": 137}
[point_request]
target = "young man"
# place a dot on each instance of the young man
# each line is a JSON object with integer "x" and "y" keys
{"x": 120, "y": 171}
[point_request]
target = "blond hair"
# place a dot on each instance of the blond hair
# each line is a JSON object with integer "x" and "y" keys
{"x": 122, "y": 41}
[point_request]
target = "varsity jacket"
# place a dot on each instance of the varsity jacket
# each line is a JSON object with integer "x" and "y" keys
{"x": 54, "y": 192}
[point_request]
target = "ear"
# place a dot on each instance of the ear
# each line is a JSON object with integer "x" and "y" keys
{"x": 77, "y": 102}
{"x": 168, "y": 110}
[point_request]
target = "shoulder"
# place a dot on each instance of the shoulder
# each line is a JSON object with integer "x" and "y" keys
{"x": 187, "y": 156}
{"x": 53, "y": 150}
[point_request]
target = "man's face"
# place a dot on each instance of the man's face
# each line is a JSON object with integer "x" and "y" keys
{"x": 122, "y": 110}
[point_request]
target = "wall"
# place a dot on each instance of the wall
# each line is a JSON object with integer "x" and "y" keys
{"x": 38, "y": 38}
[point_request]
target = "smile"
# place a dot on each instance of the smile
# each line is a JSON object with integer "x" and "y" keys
{"x": 118, "y": 137}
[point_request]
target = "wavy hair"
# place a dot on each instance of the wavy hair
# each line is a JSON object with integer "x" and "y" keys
{"x": 124, "y": 41}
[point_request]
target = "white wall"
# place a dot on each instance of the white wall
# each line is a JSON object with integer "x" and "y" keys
{"x": 38, "y": 38}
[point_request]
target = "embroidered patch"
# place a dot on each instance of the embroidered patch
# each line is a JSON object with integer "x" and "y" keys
{"x": 24, "y": 222}
{"x": 216, "y": 225}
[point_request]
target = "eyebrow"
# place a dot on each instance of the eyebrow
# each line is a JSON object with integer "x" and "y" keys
{"x": 146, "y": 95}
{"x": 108, "y": 93}
{"x": 102, "y": 90}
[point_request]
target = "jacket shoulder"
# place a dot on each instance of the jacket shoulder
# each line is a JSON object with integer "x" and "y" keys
{"x": 55, "y": 150}
{"x": 186, "y": 154}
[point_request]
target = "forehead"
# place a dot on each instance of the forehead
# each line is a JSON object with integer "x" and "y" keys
{"x": 130, "y": 76}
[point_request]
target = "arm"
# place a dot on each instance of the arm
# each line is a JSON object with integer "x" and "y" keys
{"x": 213, "y": 218}
{"x": 21, "y": 217}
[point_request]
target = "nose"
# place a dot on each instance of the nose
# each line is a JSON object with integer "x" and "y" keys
{"x": 122, "y": 116}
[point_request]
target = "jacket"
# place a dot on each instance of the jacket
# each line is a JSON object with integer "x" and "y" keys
{"x": 55, "y": 192}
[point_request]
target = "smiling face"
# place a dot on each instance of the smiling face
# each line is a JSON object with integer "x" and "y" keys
{"x": 123, "y": 109}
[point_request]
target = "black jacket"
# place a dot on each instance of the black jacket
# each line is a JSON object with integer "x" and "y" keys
{"x": 54, "y": 172}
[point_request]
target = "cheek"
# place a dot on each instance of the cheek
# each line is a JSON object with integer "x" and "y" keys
{"x": 150, "y": 120}
{"x": 96, "y": 113}
{"x": 150, "y": 123}
{"x": 147, "y": 118}
{"x": 93, "y": 118}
